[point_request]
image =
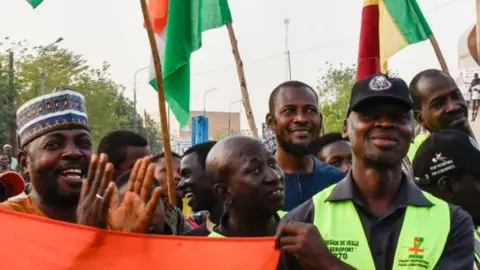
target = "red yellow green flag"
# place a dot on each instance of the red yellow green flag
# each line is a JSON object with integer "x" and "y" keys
{"x": 388, "y": 26}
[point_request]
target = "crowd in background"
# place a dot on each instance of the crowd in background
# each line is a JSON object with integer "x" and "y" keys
{"x": 354, "y": 199}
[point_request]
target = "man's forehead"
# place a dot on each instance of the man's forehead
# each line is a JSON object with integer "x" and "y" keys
{"x": 67, "y": 133}
{"x": 175, "y": 161}
{"x": 294, "y": 94}
{"x": 189, "y": 160}
{"x": 431, "y": 87}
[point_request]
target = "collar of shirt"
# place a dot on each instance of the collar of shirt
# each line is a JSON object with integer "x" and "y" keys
{"x": 209, "y": 224}
{"x": 222, "y": 227}
{"x": 409, "y": 193}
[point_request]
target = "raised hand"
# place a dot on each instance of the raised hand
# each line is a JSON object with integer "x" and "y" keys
{"x": 134, "y": 213}
{"x": 96, "y": 193}
{"x": 304, "y": 242}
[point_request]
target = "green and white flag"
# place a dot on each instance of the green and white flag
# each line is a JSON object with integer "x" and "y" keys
{"x": 178, "y": 27}
{"x": 34, "y": 3}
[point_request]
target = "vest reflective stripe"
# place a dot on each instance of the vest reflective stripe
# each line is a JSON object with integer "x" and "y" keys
{"x": 477, "y": 247}
{"x": 419, "y": 247}
{"x": 215, "y": 234}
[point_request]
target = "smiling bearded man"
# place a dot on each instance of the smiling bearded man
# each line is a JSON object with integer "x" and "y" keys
{"x": 55, "y": 151}
{"x": 295, "y": 119}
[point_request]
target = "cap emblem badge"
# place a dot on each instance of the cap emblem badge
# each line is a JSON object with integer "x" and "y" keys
{"x": 379, "y": 83}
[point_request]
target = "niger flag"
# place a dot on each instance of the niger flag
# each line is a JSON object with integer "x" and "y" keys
{"x": 31, "y": 242}
{"x": 387, "y": 27}
{"x": 178, "y": 27}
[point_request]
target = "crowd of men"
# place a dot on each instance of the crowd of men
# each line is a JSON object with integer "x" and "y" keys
{"x": 347, "y": 200}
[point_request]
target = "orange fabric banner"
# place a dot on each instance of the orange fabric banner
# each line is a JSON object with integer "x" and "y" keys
{"x": 31, "y": 242}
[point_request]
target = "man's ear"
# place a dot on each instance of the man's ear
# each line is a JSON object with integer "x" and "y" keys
{"x": 220, "y": 190}
{"x": 23, "y": 162}
{"x": 345, "y": 129}
{"x": 418, "y": 117}
{"x": 270, "y": 120}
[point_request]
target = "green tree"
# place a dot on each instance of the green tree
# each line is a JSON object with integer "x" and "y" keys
{"x": 151, "y": 131}
{"x": 334, "y": 88}
{"x": 107, "y": 107}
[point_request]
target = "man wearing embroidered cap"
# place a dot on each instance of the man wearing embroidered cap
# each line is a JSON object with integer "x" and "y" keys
{"x": 55, "y": 151}
{"x": 369, "y": 220}
{"x": 446, "y": 164}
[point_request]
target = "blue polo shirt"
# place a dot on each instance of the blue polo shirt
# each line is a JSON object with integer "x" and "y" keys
{"x": 300, "y": 187}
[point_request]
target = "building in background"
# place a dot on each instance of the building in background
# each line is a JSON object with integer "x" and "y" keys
{"x": 218, "y": 123}
{"x": 467, "y": 58}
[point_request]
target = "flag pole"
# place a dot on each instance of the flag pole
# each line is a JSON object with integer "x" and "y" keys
{"x": 161, "y": 103}
{"x": 243, "y": 82}
{"x": 438, "y": 52}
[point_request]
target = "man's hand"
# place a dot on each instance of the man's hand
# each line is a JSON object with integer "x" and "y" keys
{"x": 134, "y": 213}
{"x": 96, "y": 193}
{"x": 304, "y": 242}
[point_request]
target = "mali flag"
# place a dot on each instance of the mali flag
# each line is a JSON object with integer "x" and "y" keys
{"x": 387, "y": 27}
{"x": 31, "y": 242}
{"x": 178, "y": 27}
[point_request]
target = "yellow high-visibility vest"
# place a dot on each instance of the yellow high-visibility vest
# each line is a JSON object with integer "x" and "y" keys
{"x": 419, "y": 246}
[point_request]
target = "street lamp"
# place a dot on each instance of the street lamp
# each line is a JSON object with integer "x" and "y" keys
{"x": 205, "y": 100}
{"x": 135, "y": 98}
{"x": 42, "y": 74}
{"x": 230, "y": 114}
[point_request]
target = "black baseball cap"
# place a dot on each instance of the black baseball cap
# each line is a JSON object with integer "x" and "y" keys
{"x": 445, "y": 153}
{"x": 379, "y": 86}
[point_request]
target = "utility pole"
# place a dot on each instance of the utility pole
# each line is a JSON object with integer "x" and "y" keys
{"x": 288, "y": 69}
{"x": 135, "y": 98}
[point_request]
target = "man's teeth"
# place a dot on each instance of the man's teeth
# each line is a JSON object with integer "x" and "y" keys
{"x": 189, "y": 195}
{"x": 74, "y": 174}
{"x": 278, "y": 192}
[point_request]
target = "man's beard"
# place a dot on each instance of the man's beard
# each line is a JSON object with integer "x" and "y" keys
{"x": 381, "y": 163}
{"x": 51, "y": 194}
{"x": 298, "y": 150}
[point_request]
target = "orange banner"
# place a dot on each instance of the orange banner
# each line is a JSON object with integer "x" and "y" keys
{"x": 31, "y": 242}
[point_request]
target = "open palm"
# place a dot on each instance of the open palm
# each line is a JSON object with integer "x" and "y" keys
{"x": 135, "y": 212}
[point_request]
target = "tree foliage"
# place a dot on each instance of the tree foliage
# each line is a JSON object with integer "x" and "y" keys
{"x": 334, "y": 88}
{"x": 107, "y": 107}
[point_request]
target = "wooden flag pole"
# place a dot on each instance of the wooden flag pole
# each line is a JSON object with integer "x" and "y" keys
{"x": 161, "y": 104}
{"x": 438, "y": 52}
{"x": 243, "y": 82}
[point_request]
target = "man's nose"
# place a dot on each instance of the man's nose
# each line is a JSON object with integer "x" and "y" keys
{"x": 273, "y": 175}
{"x": 72, "y": 151}
{"x": 452, "y": 105}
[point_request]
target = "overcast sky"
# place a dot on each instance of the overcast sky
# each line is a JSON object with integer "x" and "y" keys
{"x": 319, "y": 31}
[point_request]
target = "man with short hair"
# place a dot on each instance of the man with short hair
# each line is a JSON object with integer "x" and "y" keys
{"x": 56, "y": 148}
{"x": 123, "y": 148}
{"x": 246, "y": 177}
{"x": 335, "y": 150}
{"x": 198, "y": 189}
{"x": 439, "y": 104}
{"x": 446, "y": 165}
{"x": 7, "y": 150}
{"x": 376, "y": 217}
{"x": 295, "y": 119}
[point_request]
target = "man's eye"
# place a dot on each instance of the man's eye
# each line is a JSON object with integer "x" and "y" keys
{"x": 52, "y": 145}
